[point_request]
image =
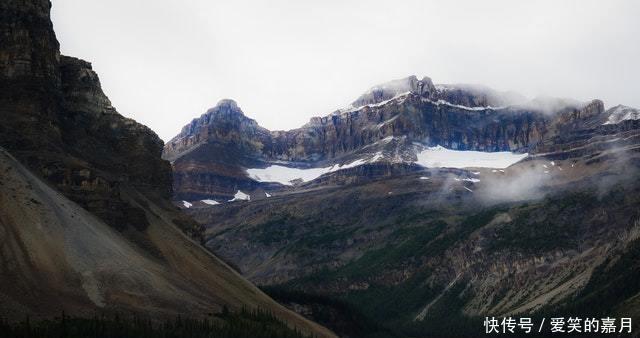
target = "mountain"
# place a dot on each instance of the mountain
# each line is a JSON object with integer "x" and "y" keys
{"x": 388, "y": 123}
{"x": 424, "y": 207}
{"x": 86, "y": 225}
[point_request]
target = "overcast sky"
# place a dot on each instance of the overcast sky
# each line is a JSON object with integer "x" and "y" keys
{"x": 165, "y": 62}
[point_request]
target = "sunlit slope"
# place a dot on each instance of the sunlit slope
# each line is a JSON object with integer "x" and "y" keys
{"x": 56, "y": 256}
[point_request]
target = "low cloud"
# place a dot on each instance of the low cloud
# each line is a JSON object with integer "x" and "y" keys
{"x": 527, "y": 184}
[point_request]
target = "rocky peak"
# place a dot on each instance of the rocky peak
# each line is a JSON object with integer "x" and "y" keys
{"x": 621, "y": 113}
{"x": 225, "y": 111}
{"x": 389, "y": 90}
{"x": 225, "y": 123}
{"x": 228, "y": 104}
{"x": 470, "y": 95}
{"x": 593, "y": 108}
{"x": 81, "y": 85}
{"x": 574, "y": 112}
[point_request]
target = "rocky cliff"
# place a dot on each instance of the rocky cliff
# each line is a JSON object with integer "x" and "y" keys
{"x": 59, "y": 122}
{"x": 211, "y": 154}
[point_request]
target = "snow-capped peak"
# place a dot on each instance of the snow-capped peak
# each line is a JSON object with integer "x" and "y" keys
{"x": 621, "y": 113}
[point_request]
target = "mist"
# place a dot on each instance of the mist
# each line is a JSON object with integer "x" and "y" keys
{"x": 524, "y": 185}
{"x": 164, "y": 63}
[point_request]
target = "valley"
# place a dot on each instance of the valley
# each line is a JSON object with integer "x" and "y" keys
{"x": 438, "y": 215}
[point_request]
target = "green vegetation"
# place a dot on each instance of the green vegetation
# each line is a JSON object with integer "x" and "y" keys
{"x": 555, "y": 223}
{"x": 391, "y": 282}
{"x": 416, "y": 234}
{"x": 413, "y": 242}
{"x": 244, "y": 324}
{"x": 275, "y": 230}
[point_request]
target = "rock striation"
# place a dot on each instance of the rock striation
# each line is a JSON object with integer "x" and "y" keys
{"x": 211, "y": 153}
{"x": 57, "y": 120}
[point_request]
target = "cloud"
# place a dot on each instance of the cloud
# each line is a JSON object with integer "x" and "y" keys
{"x": 286, "y": 61}
{"x": 523, "y": 185}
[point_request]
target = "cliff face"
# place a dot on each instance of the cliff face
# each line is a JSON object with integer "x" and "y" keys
{"x": 29, "y": 76}
{"x": 105, "y": 139}
{"x": 224, "y": 124}
{"x": 210, "y": 154}
{"x": 57, "y": 120}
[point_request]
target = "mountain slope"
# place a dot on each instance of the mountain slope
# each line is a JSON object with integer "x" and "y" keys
{"x": 57, "y": 256}
{"x": 406, "y": 213}
{"x": 432, "y": 249}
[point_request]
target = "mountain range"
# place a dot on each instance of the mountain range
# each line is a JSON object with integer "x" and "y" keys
{"x": 423, "y": 207}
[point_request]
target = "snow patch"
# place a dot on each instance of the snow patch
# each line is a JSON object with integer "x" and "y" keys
{"x": 240, "y": 196}
{"x": 424, "y": 177}
{"x": 447, "y": 103}
{"x": 440, "y": 157}
{"x": 267, "y": 194}
{"x": 379, "y": 104}
{"x": 384, "y": 123}
{"x": 210, "y": 202}
{"x": 186, "y": 204}
{"x": 376, "y": 157}
{"x": 286, "y": 175}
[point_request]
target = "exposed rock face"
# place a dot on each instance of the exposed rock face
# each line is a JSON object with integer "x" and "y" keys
{"x": 111, "y": 142}
{"x": 29, "y": 75}
{"x": 211, "y": 153}
{"x": 57, "y": 120}
{"x": 394, "y": 88}
{"x": 81, "y": 87}
{"x": 29, "y": 47}
{"x": 226, "y": 125}
{"x": 477, "y": 96}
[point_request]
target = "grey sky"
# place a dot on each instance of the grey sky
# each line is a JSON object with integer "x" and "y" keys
{"x": 165, "y": 62}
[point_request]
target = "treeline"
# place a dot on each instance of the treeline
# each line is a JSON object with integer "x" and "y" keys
{"x": 242, "y": 324}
